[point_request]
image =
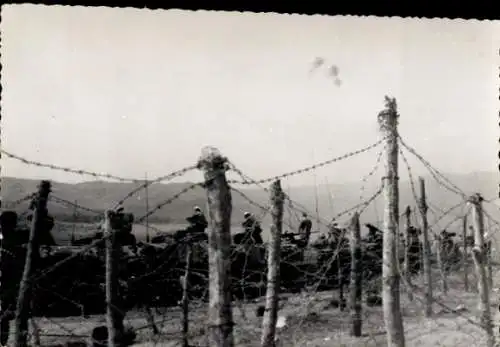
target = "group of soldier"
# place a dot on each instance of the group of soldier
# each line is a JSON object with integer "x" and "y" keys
{"x": 252, "y": 230}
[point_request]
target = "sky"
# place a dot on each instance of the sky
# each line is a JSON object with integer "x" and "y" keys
{"x": 130, "y": 92}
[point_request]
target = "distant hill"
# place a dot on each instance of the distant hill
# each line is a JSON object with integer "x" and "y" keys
{"x": 99, "y": 195}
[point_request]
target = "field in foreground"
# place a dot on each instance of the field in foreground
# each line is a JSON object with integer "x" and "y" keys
{"x": 310, "y": 321}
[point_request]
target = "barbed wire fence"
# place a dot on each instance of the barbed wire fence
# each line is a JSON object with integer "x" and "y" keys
{"x": 153, "y": 270}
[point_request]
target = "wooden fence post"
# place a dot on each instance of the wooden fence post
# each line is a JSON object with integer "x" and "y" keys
{"x": 185, "y": 298}
{"x": 390, "y": 265}
{"x": 426, "y": 254}
{"x": 113, "y": 316}
{"x": 32, "y": 256}
{"x": 441, "y": 260}
{"x": 465, "y": 255}
{"x": 356, "y": 290}
{"x": 273, "y": 269}
{"x": 478, "y": 252}
{"x": 220, "y": 313}
{"x": 489, "y": 244}
{"x": 407, "y": 265}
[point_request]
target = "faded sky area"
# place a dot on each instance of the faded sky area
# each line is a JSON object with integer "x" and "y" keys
{"x": 129, "y": 91}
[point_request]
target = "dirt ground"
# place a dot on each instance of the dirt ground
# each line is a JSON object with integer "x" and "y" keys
{"x": 310, "y": 321}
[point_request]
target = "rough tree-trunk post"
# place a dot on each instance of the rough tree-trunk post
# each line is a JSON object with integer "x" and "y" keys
{"x": 442, "y": 263}
{"x": 478, "y": 252}
{"x": 185, "y": 298}
{"x": 35, "y": 327}
{"x": 114, "y": 321}
{"x": 426, "y": 247}
{"x": 273, "y": 271}
{"x": 356, "y": 290}
{"x": 25, "y": 289}
{"x": 390, "y": 266}
{"x": 407, "y": 264}
{"x": 465, "y": 255}
{"x": 489, "y": 264}
{"x": 220, "y": 314}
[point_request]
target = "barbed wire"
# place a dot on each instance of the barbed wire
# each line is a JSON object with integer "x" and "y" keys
{"x": 72, "y": 204}
{"x": 101, "y": 240}
{"x": 310, "y": 168}
{"x": 70, "y": 170}
{"x": 12, "y": 204}
{"x": 169, "y": 201}
{"x": 163, "y": 178}
{"x": 364, "y": 205}
{"x": 372, "y": 171}
{"x": 446, "y": 213}
{"x": 287, "y": 198}
{"x": 434, "y": 172}
{"x": 410, "y": 176}
{"x": 322, "y": 275}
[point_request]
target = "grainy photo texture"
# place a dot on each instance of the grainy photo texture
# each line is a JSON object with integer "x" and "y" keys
{"x": 220, "y": 179}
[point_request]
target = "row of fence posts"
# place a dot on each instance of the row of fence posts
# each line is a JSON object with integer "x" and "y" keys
{"x": 220, "y": 318}
{"x": 220, "y": 303}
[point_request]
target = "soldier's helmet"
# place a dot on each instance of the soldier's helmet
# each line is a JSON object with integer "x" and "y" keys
{"x": 246, "y": 215}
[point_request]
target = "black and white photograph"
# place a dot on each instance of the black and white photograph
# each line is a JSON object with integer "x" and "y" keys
{"x": 237, "y": 179}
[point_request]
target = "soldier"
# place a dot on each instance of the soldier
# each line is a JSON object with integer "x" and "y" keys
{"x": 252, "y": 228}
{"x": 305, "y": 230}
{"x": 197, "y": 222}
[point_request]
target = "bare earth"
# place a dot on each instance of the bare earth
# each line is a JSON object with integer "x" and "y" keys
{"x": 309, "y": 322}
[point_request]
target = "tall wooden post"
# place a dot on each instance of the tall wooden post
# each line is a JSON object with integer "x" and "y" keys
{"x": 220, "y": 314}
{"x": 114, "y": 319}
{"x": 356, "y": 283}
{"x": 185, "y": 298}
{"x": 32, "y": 256}
{"x": 273, "y": 270}
{"x": 489, "y": 264}
{"x": 390, "y": 266}
{"x": 407, "y": 265}
{"x": 478, "y": 252}
{"x": 442, "y": 263}
{"x": 465, "y": 255}
{"x": 426, "y": 248}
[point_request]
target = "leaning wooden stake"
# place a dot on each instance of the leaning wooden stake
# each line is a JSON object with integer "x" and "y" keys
{"x": 426, "y": 248}
{"x": 273, "y": 270}
{"x": 113, "y": 316}
{"x": 407, "y": 264}
{"x": 32, "y": 256}
{"x": 356, "y": 290}
{"x": 478, "y": 253}
{"x": 220, "y": 314}
{"x": 185, "y": 298}
{"x": 465, "y": 255}
{"x": 390, "y": 269}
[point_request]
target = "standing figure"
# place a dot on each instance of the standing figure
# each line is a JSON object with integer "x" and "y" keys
{"x": 304, "y": 231}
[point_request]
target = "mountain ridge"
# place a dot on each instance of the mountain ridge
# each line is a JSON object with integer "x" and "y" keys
{"x": 99, "y": 195}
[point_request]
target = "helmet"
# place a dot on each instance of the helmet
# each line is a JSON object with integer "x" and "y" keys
{"x": 246, "y": 214}
{"x": 197, "y": 209}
